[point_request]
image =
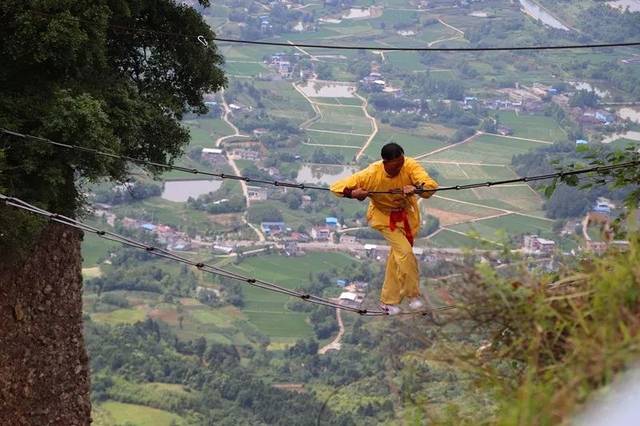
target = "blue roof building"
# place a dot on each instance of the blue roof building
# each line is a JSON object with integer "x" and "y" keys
{"x": 149, "y": 227}
{"x": 581, "y": 142}
{"x": 331, "y": 221}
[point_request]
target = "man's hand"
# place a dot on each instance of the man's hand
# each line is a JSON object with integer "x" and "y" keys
{"x": 359, "y": 193}
{"x": 409, "y": 190}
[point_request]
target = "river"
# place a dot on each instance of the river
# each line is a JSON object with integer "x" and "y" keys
{"x": 537, "y": 12}
{"x": 180, "y": 190}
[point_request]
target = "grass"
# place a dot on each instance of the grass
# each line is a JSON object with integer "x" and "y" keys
{"x": 532, "y": 126}
{"x": 338, "y": 101}
{"x": 116, "y": 413}
{"x": 487, "y": 149}
{"x": 282, "y": 100}
{"x": 205, "y": 131}
{"x": 249, "y": 69}
{"x": 448, "y": 239}
{"x": 120, "y": 316}
{"x": 266, "y": 310}
{"x": 414, "y": 142}
{"x": 512, "y": 224}
{"x": 348, "y": 120}
{"x": 170, "y": 213}
{"x": 95, "y": 248}
{"x": 457, "y": 208}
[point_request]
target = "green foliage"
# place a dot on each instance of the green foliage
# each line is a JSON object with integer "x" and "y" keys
{"x": 72, "y": 74}
{"x": 548, "y": 343}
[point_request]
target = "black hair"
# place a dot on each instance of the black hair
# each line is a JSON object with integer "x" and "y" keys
{"x": 391, "y": 151}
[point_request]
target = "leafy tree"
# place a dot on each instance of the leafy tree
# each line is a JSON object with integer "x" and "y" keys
{"x": 79, "y": 72}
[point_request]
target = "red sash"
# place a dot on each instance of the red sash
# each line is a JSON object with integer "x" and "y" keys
{"x": 401, "y": 216}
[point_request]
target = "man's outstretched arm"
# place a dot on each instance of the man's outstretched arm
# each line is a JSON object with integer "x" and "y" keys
{"x": 353, "y": 186}
{"x": 420, "y": 177}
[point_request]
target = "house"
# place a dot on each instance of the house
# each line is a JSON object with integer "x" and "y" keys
{"x": 299, "y": 236}
{"x": 605, "y": 117}
{"x": 306, "y": 201}
{"x": 245, "y": 154}
{"x": 536, "y": 245}
{"x": 348, "y": 298}
{"x": 320, "y": 233}
{"x": 213, "y": 155}
{"x": 224, "y": 249}
{"x": 602, "y": 206}
{"x": 504, "y": 130}
{"x": 581, "y": 142}
{"x": 341, "y": 283}
{"x": 331, "y": 222}
{"x": 360, "y": 285}
{"x": 272, "y": 228}
{"x": 148, "y": 227}
{"x": 257, "y": 193}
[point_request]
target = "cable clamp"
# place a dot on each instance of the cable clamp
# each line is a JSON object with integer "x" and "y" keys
{"x": 199, "y": 265}
{"x": 305, "y": 296}
{"x": 100, "y": 233}
{"x": 251, "y": 280}
{"x": 362, "y": 311}
{"x": 203, "y": 41}
{"x": 149, "y": 248}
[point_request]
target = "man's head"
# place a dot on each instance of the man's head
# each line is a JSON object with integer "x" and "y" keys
{"x": 392, "y": 158}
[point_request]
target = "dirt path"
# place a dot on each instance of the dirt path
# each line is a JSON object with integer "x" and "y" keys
{"x": 444, "y": 148}
{"x": 335, "y": 132}
{"x": 335, "y": 344}
{"x": 458, "y": 30}
{"x": 519, "y": 138}
{"x": 234, "y": 166}
{"x": 373, "y": 122}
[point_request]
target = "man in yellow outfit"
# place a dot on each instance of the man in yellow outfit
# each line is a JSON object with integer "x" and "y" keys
{"x": 396, "y": 216}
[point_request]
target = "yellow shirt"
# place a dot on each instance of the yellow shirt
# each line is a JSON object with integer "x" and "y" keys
{"x": 374, "y": 178}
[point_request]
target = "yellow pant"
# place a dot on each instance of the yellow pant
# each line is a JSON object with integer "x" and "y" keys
{"x": 402, "y": 277}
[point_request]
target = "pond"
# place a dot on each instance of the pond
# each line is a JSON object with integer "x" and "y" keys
{"x": 536, "y": 11}
{"x": 180, "y": 190}
{"x": 323, "y": 174}
{"x": 323, "y": 89}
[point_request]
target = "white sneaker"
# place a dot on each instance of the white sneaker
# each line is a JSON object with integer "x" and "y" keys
{"x": 390, "y": 309}
{"x": 416, "y": 303}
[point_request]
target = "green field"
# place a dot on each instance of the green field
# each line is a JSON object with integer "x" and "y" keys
{"x": 532, "y": 126}
{"x": 205, "y": 131}
{"x": 338, "y": 101}
{"x": 95, "y": 248}
{"x": 458, "y": 208}
{"x": 266, "y": 310}
{"x": 117, "y": 413}
{"x": 345, "y": 119}
{"x": 282, "y": 100}
{"x": 120, "y": 316}
{"x": 351, "y": 141}
{"x": 169, "y": 213}
{"x": 413, "y": 143}
{"x": 446, "y": 238}
{"x": 512, "y": 224}
{"x": 487, "y": 149}
{"x": 245, "y": 69}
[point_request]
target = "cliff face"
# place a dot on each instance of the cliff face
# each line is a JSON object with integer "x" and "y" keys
{"x": 44, "y": 369}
